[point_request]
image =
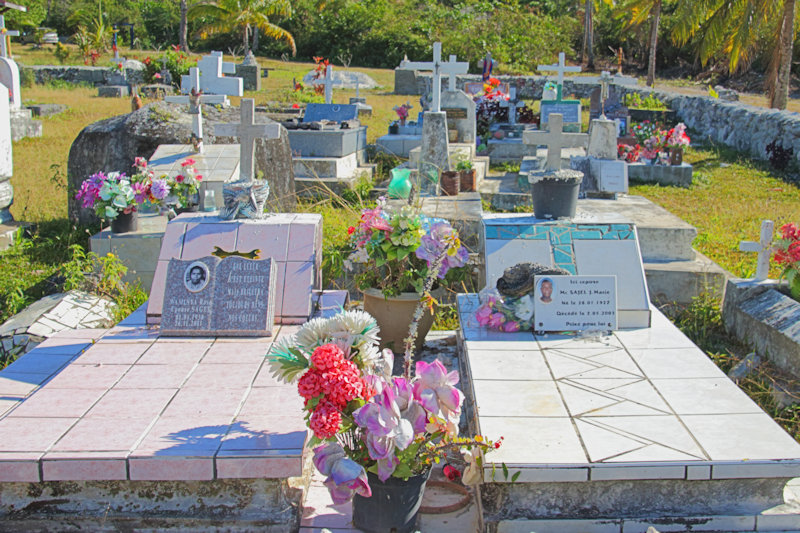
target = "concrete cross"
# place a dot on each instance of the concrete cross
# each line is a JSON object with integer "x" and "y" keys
{"x": 764, "y": 249}
{"x": 512, "y": 104}
{"x": 4, "y": 35}
{"x": 358, "y": 84}
{"x": 451, "y": 85}
{"x": 605, "y": 79}
{"x": 560, "y": 68}
{"x": 555, "y": 139}
{"x": 248, "y": 131}
{"x": 438, "y": 68}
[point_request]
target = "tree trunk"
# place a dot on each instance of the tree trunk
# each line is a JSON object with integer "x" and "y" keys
{"x": 651, "y": 67}
{"x": 585, "y": 31}
{"x": 184, "y": 28}
{"x": 590, "y": 34}
{"x": 255, "y": 39}
{"x": 780, "y": 94}
{"x": 246, "y": 40}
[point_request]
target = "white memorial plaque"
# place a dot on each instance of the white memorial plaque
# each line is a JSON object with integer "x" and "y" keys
{"x": 575, "y": 303}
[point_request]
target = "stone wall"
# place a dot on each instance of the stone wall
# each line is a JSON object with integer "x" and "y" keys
{"x": 743, "y": 127}
{"x": 78, "y": 74}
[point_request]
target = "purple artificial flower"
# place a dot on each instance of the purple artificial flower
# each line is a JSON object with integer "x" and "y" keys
{"x": 159, "y": 189}
{"x": 140, "y": 192}
{"x": 90, "y": 189}
{"x": 435, "y": 242}
{"x": 435, "y": 389}
{"x": 345, "y": 476}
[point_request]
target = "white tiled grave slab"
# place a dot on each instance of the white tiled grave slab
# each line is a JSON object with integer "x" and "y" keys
{"x": 602, "y": 245}
{"x": 636, "y": 404}
{"x": 293, "y": 240}
{"x": 219, "y": 163}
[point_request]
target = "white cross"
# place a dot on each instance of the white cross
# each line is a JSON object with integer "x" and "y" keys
{"x": 248, "y": 131}
{"x": 561, "y": 68}
{"x": 764, "y": 249}
{"x": 512, "y": 104}
{"x": 212, "y": 80}
{"x": 328, "y": 84}
{"x": 451, "y": 86}
{"x": 4, "y": 35}
{"x": 605, "y": 79}
{"x": 555, "y": 139}
{"x": 438, "y": 67}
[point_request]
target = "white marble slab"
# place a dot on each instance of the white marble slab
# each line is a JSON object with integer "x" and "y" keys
{"x": 638, "y": 404}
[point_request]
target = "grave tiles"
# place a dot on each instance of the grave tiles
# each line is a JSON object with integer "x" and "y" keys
{"x": 174, "y": 421}
{"x": 618, "y": 410}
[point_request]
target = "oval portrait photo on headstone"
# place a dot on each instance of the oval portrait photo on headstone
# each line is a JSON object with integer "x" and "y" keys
{"x": 196, "y": 276}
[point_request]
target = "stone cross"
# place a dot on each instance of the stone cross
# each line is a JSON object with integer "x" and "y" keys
{"x": 451, "y": 84}
{"x": 560, "y": 68}
{"x": 438, "y": 67}
{"x": 248, "y": 131}
{"x": 512, "y": 104}
{"x": 555, "y": 139}
{"x": 764, "y": 249}
{"x": 358, "y": 84}
{"x": 4, "y": 34}
{"x": 605, "y": 79}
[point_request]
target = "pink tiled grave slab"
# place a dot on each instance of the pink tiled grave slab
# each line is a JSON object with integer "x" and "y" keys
{"x": 639, "y": 407}
{"x": 158, "y": 409}
{"x": 294, "y": 241}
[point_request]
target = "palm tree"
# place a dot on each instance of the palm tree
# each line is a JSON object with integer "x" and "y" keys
{"x": 733, "y": 28}
{"x": 637, "y": 12}
{"x": 224, "y": 16}
{"x": 184, "y": 30}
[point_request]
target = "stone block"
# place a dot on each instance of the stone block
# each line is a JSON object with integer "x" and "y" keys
{"x": 325, "y": 167}
{"x": 156, "y": 90}
{"x": 680, "y": 281}
{"x": 602, "y": 139}
{"x": 251, "y": 76}
{"x": 46, "y": 110}
{"x": 405, "y": 81}
{"x": 23, "y": 125}
{"x": 6, "y": 193}
{"x": 113, "y": 91}
{"x": 679, "y": 175}
{"x": 399, "y": 145}
{"x": 765, "y": 318}
{"x": 332, "y": 143}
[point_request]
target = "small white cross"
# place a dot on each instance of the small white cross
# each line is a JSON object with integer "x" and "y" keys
{"x": 512, "y": 104}
{"x": 4, "y": 36}
{"x": 328, "y": 83}
{"x": 438, "y": 67}
{"x": 764, "y": 249}
{"x": 555, "y": 139}
{"x": 561, "y": 68}
{"x": 248, "y": 131}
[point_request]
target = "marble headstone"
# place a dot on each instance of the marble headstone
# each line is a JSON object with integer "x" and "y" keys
{"x": 209, "y": 296}
{"x": 460, "y": 110}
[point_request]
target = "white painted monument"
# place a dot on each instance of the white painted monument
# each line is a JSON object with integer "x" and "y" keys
{"x": 248, "y": 131}
{"x": 764, "y": 249}
{"x": 555, "y": 139}
{"x": 193, "y": 83}
{"x": 212, "y": 80}
{"x": 9, "y": 71}
{"x": 438, "y": 67}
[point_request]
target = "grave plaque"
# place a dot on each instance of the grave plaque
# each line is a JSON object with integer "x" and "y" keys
{"x": 231, "y": 297}
{"x": 455, "y": 112}
{"x": 575, "y": 303}
{"x": 569, "y": 109}
{"x": 332, "y": 112}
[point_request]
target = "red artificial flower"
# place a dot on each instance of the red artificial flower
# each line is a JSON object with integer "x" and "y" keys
{"x": 453, "y": 474}
{"x": 351, "y": 230}
{"x": 325, "y": 420}
{"x": 295, "y": 106}
{"x": 147, "y": 60}
{"x": 188, "y": 162}
{"x": 310, "y": 384}
{"x": 327, "y": 357}
{"x": 179, "y": 178}
{"x": 199, "y": 177}
{"x": 176, "y": 47}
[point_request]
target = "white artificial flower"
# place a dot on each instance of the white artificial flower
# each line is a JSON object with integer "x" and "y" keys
{"x": 473, "y": 474}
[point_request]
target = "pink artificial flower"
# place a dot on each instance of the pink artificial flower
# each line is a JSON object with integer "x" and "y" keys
{"x": 510, "y": 326}
{"x": 198, "y": 177}
{"x": 345, "y": 476}
{"x": 157, "y": 76}
{"x": 482, "y": 315}
{"x": 188, "y": 162}
{"x": 453, "y": 474}
{"x": 435, "y": 389}
{"x": 496, "y": 320}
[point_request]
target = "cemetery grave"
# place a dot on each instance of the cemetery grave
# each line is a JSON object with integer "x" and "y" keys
{"x": 611, "y": 416}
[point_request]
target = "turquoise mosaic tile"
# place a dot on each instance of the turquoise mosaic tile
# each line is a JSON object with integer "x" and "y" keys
{"x": 562, "y": 255}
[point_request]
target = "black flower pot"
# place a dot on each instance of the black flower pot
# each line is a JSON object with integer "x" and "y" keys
{"x": 393, "y": 506}
{"x": 556, "y": 196}
{"x": 125, "y": 223}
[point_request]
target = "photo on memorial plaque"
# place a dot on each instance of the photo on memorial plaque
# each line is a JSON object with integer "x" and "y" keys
{"x": 545, "y": 288}
{"x": 196, "y": 277}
